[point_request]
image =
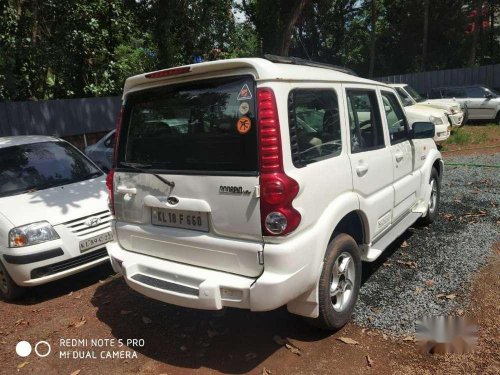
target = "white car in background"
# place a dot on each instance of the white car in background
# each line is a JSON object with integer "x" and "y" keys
{"x": 456, "y": 115}
{"x": 101, "y": 152}
{"x": 54, "y": 216}
{"x": 483, "y": 103}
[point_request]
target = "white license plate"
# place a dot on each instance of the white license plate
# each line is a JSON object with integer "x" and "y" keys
{"x": 180, "y": 219}
{"x": 91, "y": 242}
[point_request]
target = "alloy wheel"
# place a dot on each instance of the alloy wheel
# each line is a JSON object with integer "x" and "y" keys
{"x": 342, "y": 281}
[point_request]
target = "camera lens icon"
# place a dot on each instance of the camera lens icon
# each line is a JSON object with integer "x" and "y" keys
{"x": 24, "y": 349}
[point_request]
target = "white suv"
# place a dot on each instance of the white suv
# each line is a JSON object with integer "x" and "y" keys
{"x": 253, "y": 184}
{"x": 412, "y": 99}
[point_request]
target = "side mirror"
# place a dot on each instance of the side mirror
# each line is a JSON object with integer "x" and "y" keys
{"x": 422, "y": 130}
{"x": 489, "y": 96}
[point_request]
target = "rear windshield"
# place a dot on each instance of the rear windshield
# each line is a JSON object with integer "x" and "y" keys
{"x": 206, "y": 126}
{"x": 42, "y": 165}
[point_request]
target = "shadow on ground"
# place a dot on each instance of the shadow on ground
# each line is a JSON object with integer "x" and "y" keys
{"x": 230, "y": 341}
{"x": 58, "y": 288}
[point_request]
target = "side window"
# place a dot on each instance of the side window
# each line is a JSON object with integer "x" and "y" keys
{"x": 364, "y": 120}
{"x": 396, "y": 119}
{"x": 455, "y": 93}
{"x": 314, "y": 124}
{"x": 475, "y": 92}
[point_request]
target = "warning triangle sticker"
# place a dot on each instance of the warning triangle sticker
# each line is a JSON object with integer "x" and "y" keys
{"x": 245, "y": 93}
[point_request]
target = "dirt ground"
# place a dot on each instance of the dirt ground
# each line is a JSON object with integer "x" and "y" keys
{"x": 97, "y": 305}
{"x": 182, "y": 341}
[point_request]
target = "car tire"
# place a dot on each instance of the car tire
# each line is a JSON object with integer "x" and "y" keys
{"x": 9, "y": 290}
{"x": 434, "y": 199}
{"x": 497, "y": 118}
{"x": 339, "y": 283}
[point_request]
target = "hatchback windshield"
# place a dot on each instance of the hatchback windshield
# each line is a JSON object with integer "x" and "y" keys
{"x": 42, "y": 165}
{"x": 205, "y": 126}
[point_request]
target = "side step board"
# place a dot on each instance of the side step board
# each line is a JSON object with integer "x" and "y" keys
{"x": 397, "y": 230}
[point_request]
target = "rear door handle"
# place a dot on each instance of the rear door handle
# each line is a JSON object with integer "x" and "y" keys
{"x": 361, "y": 170}
{"x": 126, "y": 190}
{"x": 399, "y": 156}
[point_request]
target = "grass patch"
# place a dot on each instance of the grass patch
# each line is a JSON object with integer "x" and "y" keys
{"x": 472, "y": 135}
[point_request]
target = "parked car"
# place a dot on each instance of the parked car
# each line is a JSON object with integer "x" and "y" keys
{"x": 419, "y": 113}
{"x": 274, "y": 195}
{"x": 410, "y": 97}
{"x": 101, "y": 152}
{"x": 54, "y": 218}
{"x": 482, "y": 102}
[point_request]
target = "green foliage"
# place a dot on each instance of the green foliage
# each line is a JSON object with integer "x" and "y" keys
{"x": 77, "y": 48}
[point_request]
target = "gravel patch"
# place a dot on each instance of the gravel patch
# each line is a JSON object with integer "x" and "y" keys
{"x": 428, "y": 270}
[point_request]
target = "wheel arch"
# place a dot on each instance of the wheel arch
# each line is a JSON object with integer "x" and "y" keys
{"x": 354, "y": 224}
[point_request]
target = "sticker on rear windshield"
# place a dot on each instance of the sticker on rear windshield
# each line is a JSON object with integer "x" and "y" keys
{"x": 244, "y": 108}
{"x": 243, "y": 125}
{"x": 245, "y": 93}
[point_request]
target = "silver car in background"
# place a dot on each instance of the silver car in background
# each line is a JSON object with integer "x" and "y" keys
{"x": 483, "y": 103}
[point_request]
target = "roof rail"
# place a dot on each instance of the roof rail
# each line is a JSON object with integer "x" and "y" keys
{"x": 298, "y": 61}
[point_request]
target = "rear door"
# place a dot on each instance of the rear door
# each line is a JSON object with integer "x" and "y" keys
{"x": 202, "y": 207}
{"x": 479, "y": 106}
{"x": 371, "y": 160}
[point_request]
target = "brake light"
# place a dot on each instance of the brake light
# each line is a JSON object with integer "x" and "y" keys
{"x": 169, "y": 72}
{"x": 278, "y": 217}
{"x": 109, "y": 185}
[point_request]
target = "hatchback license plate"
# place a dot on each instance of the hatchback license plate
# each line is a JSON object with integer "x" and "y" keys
{"x": 180, "y": 219}
{"x": 91, "y": 242}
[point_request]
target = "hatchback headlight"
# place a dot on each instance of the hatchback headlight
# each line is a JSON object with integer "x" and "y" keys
{"x": 436, "y": 120}
{"x": 32, "y": 234}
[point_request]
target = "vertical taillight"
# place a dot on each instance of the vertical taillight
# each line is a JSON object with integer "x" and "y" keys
{"x": 111, "y": 174}
{"x": 277, "y": 190}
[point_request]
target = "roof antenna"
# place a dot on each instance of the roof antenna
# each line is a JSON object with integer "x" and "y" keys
{"x": 303, "y": 47}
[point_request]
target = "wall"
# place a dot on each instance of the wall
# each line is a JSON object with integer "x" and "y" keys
{"x": 488, "y": 75}
{"x": 62, "y": 118}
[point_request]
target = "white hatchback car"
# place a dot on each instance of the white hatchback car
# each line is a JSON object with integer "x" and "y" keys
{"x": 281, "y": 180}
{"x": 54, "y": 216}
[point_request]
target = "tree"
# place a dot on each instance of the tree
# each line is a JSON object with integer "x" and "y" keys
{"x": 275, "y": 22}
{"x": 478, "y": 10}
{"x": 425, "y": 34}
{"x": 373, "y": 35}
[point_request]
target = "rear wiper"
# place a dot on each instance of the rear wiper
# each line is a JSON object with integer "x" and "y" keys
{"x": 144, "y": 169}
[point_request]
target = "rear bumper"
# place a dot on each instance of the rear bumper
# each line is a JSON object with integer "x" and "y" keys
{"x": 201, "y": 288}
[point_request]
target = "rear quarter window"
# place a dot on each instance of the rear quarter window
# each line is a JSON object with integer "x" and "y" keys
{"x": 314, "y": 124}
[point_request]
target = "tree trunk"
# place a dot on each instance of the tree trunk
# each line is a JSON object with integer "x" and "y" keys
{"x": 286, "y": 39}
{"x": 373, "y": 39}
{"x": 426, "y": 35}
{"x": 477, "y": 5}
